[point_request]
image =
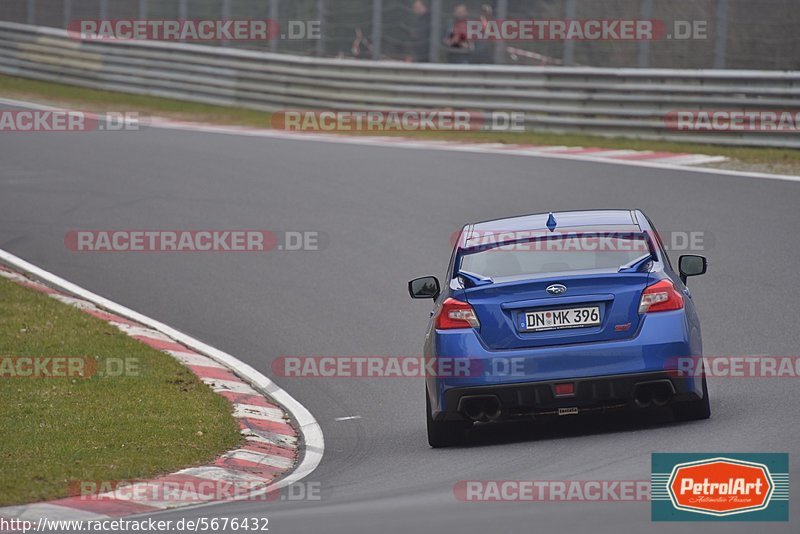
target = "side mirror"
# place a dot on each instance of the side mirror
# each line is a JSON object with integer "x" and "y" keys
{"x": 426, "y": 287}
{"x": 691, "y": 265}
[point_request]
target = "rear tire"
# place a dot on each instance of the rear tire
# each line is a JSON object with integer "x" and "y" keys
{"x": 444, "y": 433}
{"x": 694, "y": 410}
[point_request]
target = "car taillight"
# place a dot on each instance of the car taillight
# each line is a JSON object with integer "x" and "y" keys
{"x": 456, "y": 314}
{"x": 661, "y": 296}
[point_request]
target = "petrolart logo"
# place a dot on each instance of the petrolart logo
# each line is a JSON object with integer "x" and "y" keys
{"x": 720, "y": 487}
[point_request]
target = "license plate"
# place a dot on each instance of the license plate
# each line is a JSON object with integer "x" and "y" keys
{"x": 536, "y": 321}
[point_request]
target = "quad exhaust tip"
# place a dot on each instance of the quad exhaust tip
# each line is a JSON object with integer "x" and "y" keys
{"x": 656, "y": 393}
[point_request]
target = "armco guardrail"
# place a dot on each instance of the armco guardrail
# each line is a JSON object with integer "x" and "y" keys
{"x": 609, "y": 102}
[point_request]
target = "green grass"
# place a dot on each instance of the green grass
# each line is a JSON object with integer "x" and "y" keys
{"x": 94, "y": 100}
{"x": 748, "y": 158}
{"x": 57, "y": 430}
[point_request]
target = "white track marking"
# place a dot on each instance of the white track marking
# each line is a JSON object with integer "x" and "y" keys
{"x": 228, "y": 385}
{"x": 613, "y": 153}
{"x": 186, "y": 495}
{"x": 555, "y": 148}
{"x": 14, "y": 276}
{"x": 258, "y": 412}
{"x": 78, "y": 303}
{"x": 259, "y": 458}
{"x": 692, "y": 159}
{"x": 269, "y": 438}
{"x": 133, "y": 330}
{"x": 220, "y": 474}
{"x": 187, "y": 358}
{"x": 137, "y": 493}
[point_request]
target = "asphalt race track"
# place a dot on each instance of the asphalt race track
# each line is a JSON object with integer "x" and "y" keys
{"x": 388, "y": 215}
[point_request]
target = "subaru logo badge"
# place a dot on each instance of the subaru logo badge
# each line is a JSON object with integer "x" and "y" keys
{"x": 556, "y": 289}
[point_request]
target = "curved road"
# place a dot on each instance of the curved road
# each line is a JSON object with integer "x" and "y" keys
{"x": 388, "y": 215}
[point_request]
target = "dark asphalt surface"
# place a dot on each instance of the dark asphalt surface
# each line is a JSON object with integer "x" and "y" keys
{"x": 389, "y": 214}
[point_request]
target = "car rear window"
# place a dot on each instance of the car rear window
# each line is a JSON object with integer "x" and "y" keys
{"x": 554, "y": 254}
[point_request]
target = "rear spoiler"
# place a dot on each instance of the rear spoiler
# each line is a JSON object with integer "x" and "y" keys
{"x": 474, "y": 279}
{"x": 637, "y": 265}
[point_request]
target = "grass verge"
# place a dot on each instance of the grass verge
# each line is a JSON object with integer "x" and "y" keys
{"x": 157, "y": 418}
{"x": 776, "y": 160}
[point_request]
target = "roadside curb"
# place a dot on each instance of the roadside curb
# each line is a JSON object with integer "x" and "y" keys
{"x": 684, "y": 162}
{"x": 629, "y": 156}
{"x": 606, "y": 155}
{"x": 272, "y": 455}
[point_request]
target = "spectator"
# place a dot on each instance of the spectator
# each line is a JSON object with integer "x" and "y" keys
{"x": 419, "y": 42}
{"x": 460, "y": 48}
{"x": 484, "y": 49}
{"x": 361, "y": 46}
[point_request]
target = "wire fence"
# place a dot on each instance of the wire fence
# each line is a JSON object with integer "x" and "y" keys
{"x": 734, "y": 34}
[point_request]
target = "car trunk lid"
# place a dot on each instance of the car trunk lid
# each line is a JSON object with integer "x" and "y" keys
{"x": 514, "y": 313}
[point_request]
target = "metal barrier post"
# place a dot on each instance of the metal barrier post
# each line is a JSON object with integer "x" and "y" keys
{"x": 377, "y": 28}
{"x": 67, "y": 12}
{"x": 30, "y": 15}
{"x": 721, "y": 41}
{"x": 645, "y": 13}
{"x": 570, "y": 9}
{"x": 274, "y": 15}
{"x": 435, "y": 41}
{"x": 500, "y": 46}
{"x": 320, "y": 48}
{"x": 225, "y": 14}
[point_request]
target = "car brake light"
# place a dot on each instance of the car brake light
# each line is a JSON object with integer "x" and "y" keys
{"x": 456, "y": 314}
{"x": 660, "y": 296}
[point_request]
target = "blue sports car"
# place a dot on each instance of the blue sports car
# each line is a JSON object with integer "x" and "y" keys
{"x": 560, "y": 314}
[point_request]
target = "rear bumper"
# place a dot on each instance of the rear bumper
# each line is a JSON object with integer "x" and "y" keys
{"x": 602, "y": 372}
{"x": 596, "y": 394}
